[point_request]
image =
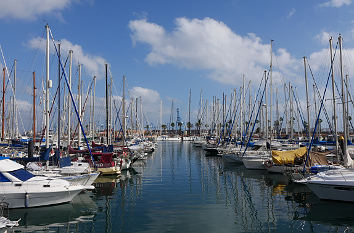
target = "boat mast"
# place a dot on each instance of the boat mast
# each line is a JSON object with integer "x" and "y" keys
{"x": 59, "y": 98}
{"x": 3, "y": 108}
{"x": 14, "y": 129}
{"x": 343, "y": 96}
{"x": 160, "y": 117}
{"x": 107, "y": 107}
{"x": 189, "y": 112}
{"x": 241, "y": 107}
{"x": 34, "y": 108}
{"x": 111, "y": 126}
{"x": 79, "y": 106}
{"x": 266, "y": 111}
{"x": 286, "y": 110}
{"x": 141, "y": 117}
{"x": 69, "y": 101}
{"x": 334, "y": 100}
{"x": 93, "y": 108}
{"x": 307, "y": 102}
{"x": 271, "y": 91}
{"x": 315, "y": 103}
{"x": 123, "y": 111}
{"x": 47, "y": 86}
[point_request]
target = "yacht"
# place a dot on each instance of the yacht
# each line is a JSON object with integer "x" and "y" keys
{"x": 20, "y": 188}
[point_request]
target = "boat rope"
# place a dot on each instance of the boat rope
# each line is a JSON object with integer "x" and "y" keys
{"x": 259, "y": 108}
{"x": 319, "y": 112}
{"x": 73, "y": 102}
{"x": 251, "y": 115}
{"x": 319, "y": 97}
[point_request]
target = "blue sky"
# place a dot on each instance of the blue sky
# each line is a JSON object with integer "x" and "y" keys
{"x": 166, "y": 47}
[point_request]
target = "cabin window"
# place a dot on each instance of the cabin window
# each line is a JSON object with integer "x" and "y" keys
{"x": 4, "y": 178}
{"x": 22, "y": 174}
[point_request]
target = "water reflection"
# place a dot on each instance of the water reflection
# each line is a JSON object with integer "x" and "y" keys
{"x": 71, "y": 217}
{"x": 179, "y": 189}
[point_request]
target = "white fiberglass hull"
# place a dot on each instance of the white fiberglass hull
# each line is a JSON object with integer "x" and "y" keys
{"x": 27, "y": 197}
{"x": 282, "y": 169}
{"x": 232, "y": 158}
{"x": 254, "y": 162}
{"x": 333, "y": 184}
{"x": 332, "y": 192}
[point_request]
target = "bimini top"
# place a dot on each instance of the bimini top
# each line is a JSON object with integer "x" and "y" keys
{"x": 7, "y": 165}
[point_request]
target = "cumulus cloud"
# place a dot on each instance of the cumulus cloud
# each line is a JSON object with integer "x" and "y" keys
{"x": 336, "y": 3}
{"x": 150, "y": 99}
{"x": 210, "y": 45}
{"x": 30, "y": 9}
{"x": 94, "y": 65}
{"x": 324, "y": 36}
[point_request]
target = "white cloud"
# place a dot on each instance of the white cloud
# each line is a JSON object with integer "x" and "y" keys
{"x": 150, "y": 99}
{"x": 336, "y": 3}
{"x": 291, "y": 13}
{"x": 323, "y": 37}
{"x": 210, "y": 45}
{"x": 94, "y": 65}
{"x": 30, "y": 9}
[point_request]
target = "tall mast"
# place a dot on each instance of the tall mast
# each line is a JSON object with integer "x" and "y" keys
{"x": 343, "y": 96}
{"x": 93, "y": 108}
{"x": 3, "y": 108}
{"x": 307, "y": 102}
{"x": 141, "y": 116}
{"x": 79, "y": 106}
{"x": 347, "y": 103}
{"x": 123, "y": 111}
{"x": 14, "y": 120}
{"x": 69, "y": 100}
{"x": 47, "y": 86}
{"x": 241, "y": 103}
{"x": 334, "y": 100}
{"x": 107, "y": 106}
{"x": 286, "y": 110}
{"x": 266, "y": 110}
{"x": 277, "y": 110}
{"x": 189, "y": 112}
{"x": 160, "y": 117}
{"x": 59, "y": 96}
{"x": 291, "y": 112}
{"x": 315, "y": 103}
{"x": 110, "y": 111}
{"x": 271, "y": 90}
{"x": 34, "y": 108}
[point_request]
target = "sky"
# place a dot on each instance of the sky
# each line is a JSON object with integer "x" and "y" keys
{"x": 165, "y": 48}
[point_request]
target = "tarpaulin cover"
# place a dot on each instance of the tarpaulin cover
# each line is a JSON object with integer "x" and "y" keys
{"x": 287, "y": 157}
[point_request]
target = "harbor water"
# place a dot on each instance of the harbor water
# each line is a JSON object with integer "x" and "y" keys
{"x": 179, "y": 189}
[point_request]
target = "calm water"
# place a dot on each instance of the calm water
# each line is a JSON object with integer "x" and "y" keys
{"x": 178, "y": 189}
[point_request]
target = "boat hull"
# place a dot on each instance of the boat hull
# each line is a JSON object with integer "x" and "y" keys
{"x": 332, "y": 192}
{"x": 40, "y": 198}
{"x": 232, "y": 158}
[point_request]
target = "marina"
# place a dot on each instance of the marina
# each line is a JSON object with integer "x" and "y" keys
{"x": 179, "y": 189}
{"x": 147, "y": 116}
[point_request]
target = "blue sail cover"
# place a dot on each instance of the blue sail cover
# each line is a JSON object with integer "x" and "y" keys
{"x": 22, "y": 174}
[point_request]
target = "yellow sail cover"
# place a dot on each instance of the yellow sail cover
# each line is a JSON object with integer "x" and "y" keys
{"x": 287, "y": 157}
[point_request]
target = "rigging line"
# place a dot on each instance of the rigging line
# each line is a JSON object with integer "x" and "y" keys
{"x": 251, "y": 115}
{"x": 224, "y": 122}
{"x": 319, "y": 113}
{"x": 259, "y": 107}
{"x": 82, "y": 112}
{"x": 319, "y": 97}
{"x": 68, "y": 86}
{"x": 51, "y": 108}
{"x": 299, "y": 109}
